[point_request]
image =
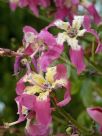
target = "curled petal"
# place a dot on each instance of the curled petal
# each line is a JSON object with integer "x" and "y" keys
{"x": 17, "y": 65}
{"x": 94, "y": 13}
{"x": 96, "y": 114}
{"x": 77, "y": 59}
{"x": 29, "y": 29}
{"x": 67, "y": 96}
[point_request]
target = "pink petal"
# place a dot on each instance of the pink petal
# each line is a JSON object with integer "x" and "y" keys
{"x": 94, "y": 13}
{"x": 17, "y": 65}
{"x": 20, "y": 87}
{"x": 61, "y": 71}
{"x": 45, "y": 3}
{"x": 87, "y": 22}
{"x": 28, "y": 101}
{"x": 99, "y": 48}
{"x": 13, "y": 5}
{"x": 43, "y": 112}
{"x": 49, "y": 56}
{"x": 67, "y": 96}
{"x": 23, "y": 3}
{"x": 75, "y": 2}
{"x": 77, "y": 59}
{"x": 96, "y": 114}
{"x": 37, "y": 129}
{"x": 61, "y": 13}
{"x": 34, "y": 6}
{"x": 47, "y": 37}
{"x": 29, "y": 29}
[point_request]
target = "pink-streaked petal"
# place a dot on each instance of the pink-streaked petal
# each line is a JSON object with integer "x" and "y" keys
{"x": 47, "y": 37}
{"x": 33, "y": 5}
{"x": 48, "y": 57}
{"x": 94, "y": 13}
{"x": 67, "y": 96}
{"x": 20, "y": 87}
{"x": 44, "y": 62}
{"x": 17, "y": 65}
{"x": 77, "y": 59}
{"x": 37, "y": 129}
{"x": 43, "y": 112}
{"x": 87, "y": 22}
{"x": 61, "y": 13}
{"x": 96, "y": 114}
{"x": 61, "y": 71}
{"x": 28, "y": 101}
{"x": 29, "y": 50}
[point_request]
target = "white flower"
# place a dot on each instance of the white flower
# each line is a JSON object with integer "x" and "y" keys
{"x": 70, "y": 33}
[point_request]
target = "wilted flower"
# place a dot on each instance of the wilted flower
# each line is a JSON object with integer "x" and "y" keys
{"x": 70, "y": 35}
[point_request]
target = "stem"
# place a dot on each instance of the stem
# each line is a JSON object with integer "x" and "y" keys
{"x": 94, "y": 66}
{"x": 93, "y": 51}
{"x": 69, "y": 118}
{"x": 9, "y": 53}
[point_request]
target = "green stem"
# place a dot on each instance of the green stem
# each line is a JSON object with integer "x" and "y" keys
{"x": 94, "y": 66}
{"x": 93, "y": 51}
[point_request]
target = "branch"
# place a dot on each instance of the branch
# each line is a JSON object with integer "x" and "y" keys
{"x": 9, "y": 53}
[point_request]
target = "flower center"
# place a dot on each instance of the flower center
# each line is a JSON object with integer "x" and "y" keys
{"x": 72, "y": 32}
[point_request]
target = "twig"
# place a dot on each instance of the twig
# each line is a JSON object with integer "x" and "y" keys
{"x": 9, "y": 53}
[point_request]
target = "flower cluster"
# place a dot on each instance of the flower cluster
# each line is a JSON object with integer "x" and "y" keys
{"x": 64, "y": 8}
{"x": 41, "y": 54}
{"x": 43, "y": 77}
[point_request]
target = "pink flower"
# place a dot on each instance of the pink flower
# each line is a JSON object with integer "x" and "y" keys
{"x": 32, "y": 4}
{"x": 70, "y": 34}
{"x": 43, "y": 43}
{"x": 33, "y": 98}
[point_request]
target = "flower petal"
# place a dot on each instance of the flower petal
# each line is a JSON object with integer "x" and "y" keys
{"x": 67, "y": 96}
{"x": 93, "y": 12}
{"x": 37, "y": 129}
{"x": 77, "y": 59}
{"x": 43, "y": 111}
{"x": 61, "y": 72}
{"x": 96, "y": 114}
